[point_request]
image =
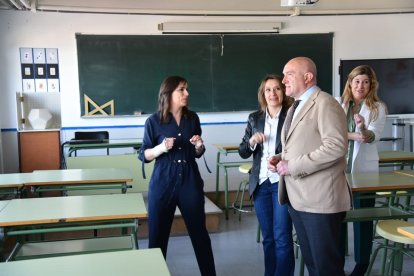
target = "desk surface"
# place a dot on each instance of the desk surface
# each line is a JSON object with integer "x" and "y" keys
{"x": 80, "y": 176}
{"x": 59, "y": 177}
{"x": 227, "y": 147}
{"x": 108, "y": 143}
{"x": 405, "y": 172}
{"x": 395, "y": 156}
{"x": 13, "y": 180}
{"x": 125, "y": 263}
{"x": 3, "y": 204}
{"x": 384, "y": 181}
{"x": 32, "y": 211}
{"x": 406, "y": 231}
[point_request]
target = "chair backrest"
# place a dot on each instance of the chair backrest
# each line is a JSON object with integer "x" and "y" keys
{"x": 91, "y": 135}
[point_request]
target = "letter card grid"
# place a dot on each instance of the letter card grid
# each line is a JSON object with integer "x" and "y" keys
{"x": 40, "y": 69}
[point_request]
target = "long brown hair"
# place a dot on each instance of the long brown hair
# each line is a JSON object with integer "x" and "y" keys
{"x": 164, "y": 97}
{"x": 372, "y": 98}
{"x": 286, "y": 102}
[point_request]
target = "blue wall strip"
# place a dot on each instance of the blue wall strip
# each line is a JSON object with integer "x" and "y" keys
{"x": 125, "y": 126}
{"x": 8, "y": 129}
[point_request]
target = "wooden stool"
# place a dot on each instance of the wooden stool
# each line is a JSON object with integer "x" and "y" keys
{"x": 388, "y": 230}
{"x": 243, "y": 186}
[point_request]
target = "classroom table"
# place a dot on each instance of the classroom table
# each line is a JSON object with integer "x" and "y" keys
{"x": 225, "y": 149}
{"x": 65, "y": 180}
{"x": 381, "y": 181}
{"x": 375, "y": 182}
{"x": 80, "y": 179}
{"x": 125, "y": 263}
{"x": 396, "y": 158}
{"x": 12, "y": 183}
{"x": 106, "y": 144}
{"x": 362, "y": 183}
{"x": 21, "y": 217}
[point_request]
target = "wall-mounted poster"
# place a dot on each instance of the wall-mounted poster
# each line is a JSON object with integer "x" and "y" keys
{"x": 39, "y": 56}
{"x": 26, "y": 55}
{"x": 52, "y": 68}
{"x": 27, "y": 69}
{"x": 52, "y": 56}
{"x": 40, "y": 69}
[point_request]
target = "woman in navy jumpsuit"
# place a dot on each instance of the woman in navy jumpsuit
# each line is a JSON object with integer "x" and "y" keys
{"x": 173, "y": 138}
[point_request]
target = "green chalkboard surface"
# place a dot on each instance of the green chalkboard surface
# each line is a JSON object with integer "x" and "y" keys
{"x": 223, "y": 71}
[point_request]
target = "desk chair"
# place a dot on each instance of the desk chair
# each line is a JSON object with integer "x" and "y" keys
{"x": 92, "y": 135}
{"x": 388, "y": 230}
{"x": 84, "y": 137}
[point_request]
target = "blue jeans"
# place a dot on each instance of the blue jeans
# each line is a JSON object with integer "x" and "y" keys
{"x": 276, "y": 227}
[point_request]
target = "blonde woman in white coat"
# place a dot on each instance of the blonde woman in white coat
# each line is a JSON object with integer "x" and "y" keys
{"x": 366, "y": 116}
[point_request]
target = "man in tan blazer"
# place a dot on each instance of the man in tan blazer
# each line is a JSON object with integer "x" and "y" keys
{"x": 312, "y": 169}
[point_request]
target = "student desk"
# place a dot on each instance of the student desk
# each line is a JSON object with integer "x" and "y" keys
{"x": 396, "y": 158}
{"x": 80, "y": 179}
{"x": 60, "y": 214}
{"x": 12, "y": 183}
{"x": 106, "y": 144}
{"x": 225, "y": 149}
{"x": 381, "y": 181}
{"x": 65, "y": 180}
{"x": 126, "y": 263}
{"x": 377, "y": 182}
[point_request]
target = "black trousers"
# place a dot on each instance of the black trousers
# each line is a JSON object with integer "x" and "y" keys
{"x": 320, "y": 241}
{"x": 163, "y": 198}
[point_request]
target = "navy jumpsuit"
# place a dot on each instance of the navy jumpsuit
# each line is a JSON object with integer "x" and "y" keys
{"x": 176, "y": 181}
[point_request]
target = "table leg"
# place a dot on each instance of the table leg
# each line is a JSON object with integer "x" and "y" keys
{"x": 2, "y": 241}
{"x": 217, "y": 177}
{"x": 397, "y": 262}
{"x": 124, "y": 187}
{"x": 226, "y": 193}
{"x": 384, "y": 257}
{"x": 134, "y": 234}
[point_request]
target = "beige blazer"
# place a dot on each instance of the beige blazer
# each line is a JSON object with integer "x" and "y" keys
{"x": 315, "y": 147}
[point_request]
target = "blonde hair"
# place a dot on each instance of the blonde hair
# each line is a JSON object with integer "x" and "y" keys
{"x": 372, "y": 99}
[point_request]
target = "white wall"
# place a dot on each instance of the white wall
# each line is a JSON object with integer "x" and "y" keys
{"x": 1, "y": 152}
{"x": 355, "y": 37}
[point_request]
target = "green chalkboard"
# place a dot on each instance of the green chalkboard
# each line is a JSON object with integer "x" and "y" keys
{"x": 223, "y": 72}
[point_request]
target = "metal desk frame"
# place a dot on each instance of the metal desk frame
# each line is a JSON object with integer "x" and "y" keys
{"x": 225, "y": 150}
{"x": 20, "y": 217}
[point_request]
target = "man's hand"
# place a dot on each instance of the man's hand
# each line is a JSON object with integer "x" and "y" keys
{"x": 282, "y": 167}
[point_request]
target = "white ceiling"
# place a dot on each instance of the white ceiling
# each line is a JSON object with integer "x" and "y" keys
{"x": 211, "y": 7}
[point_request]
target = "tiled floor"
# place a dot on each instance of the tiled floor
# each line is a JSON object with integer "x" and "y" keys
{"x": 236, "y": 251}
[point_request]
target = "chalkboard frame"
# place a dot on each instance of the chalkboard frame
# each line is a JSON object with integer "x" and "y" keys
{"x": 223, "y": 71}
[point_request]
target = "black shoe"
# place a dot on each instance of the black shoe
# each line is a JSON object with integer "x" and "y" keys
{"x": 359, "y": 270}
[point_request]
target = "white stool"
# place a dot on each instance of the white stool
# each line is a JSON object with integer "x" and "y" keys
{"x": 243, "y": 187}
{"x": 388, "y": 230}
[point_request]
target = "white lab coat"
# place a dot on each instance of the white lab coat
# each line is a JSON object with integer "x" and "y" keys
{"x": 365, "y": 156}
